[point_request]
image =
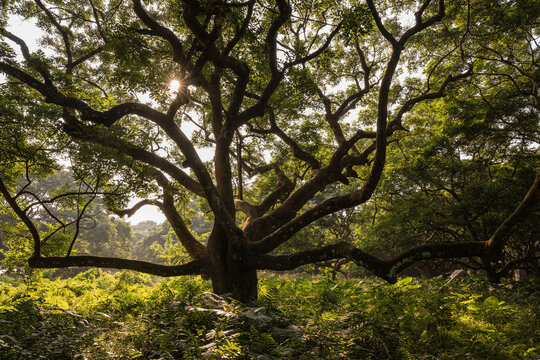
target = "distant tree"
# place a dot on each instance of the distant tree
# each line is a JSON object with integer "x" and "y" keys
{"x": 142, "y": 248}
{"x": 294, "y": 98}
{"x": 140, "y": 229}
{"x": 105, "y": 236}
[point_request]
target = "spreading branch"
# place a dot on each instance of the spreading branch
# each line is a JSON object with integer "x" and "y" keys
{"x": 195, "y": 267}
{"x": 385, "y": 269}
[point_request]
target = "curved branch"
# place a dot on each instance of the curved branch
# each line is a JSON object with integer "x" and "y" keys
{"x": 499, "y": 239}
{"x": 430, "y": 95}
{"x": 277, "y": 75}
{"x": 23, "y": 216}
{"x": 196, "y": 267}
{"x": 377, "y": 18}
{"x": 296, "y": 149}
{"x": 385, "y": 269}
{"x": 289, "y": 262}
{"x": 22, "y": 45}
{"x": 391, "y": 268}
{"x": 80, "y": 216}
{"x": 421, "y": 25}
{"x": 283, "y": 218}
{"x": 163, "y": 32}
{"x": 283, "y": 188}
{"x": 52, "y": 95}
{"x": 245, "y": 207}
{"x": 61, "y": 30}
{"x": 54, "y": 198}
{"x": 79, "y": 131}
{"x": 238, "y": 35}
{"x": 287, "y": 230}
{"x": 107, "y": 118}
{"x": 194, "y": 248}
{"x": 388, "y": 269}
{"x": 132, "y": 210}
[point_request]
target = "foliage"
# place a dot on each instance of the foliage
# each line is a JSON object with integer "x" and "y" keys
{"x": 126, "y": 316}
{"x": 304, "y": 105}
{"x": 455, "y": 177}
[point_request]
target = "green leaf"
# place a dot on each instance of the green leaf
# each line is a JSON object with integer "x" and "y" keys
{"x": 404, "y": 281}
{"x": 491, "y": 301}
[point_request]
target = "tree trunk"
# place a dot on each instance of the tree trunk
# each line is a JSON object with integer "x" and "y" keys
{"x": 491, "y": 272}
{"x": 238, "y": 281}
{"x": 230, "y": 272}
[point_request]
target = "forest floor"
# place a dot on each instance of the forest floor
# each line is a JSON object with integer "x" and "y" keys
{"x": 97, "y": 315}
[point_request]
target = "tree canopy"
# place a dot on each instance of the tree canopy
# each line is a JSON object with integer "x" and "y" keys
{"x": 302, "y": 104}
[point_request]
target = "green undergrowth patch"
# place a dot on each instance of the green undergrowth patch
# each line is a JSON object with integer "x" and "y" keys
{"x": 97, "y": 315}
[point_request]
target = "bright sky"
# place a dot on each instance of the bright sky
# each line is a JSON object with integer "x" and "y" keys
{"x": 147, "y": 212}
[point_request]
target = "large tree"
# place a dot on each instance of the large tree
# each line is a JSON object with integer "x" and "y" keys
{"x": 297, "y": 100}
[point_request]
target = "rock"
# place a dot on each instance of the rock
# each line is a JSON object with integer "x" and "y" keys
{"x": 256, "y": 314}
{"x": 460, "y": 273}
{"x": 289, "y": 331}
{"x": 520, "y": 274}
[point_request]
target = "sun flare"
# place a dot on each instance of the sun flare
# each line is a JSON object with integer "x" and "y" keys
{"x": 174, "y": 86}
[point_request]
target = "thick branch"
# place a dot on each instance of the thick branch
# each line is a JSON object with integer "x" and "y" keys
{"x": 283, "y": 188}
{"x": 22, "y": 45}
{"x": 279, "y": 218}
{"x": 23, "y": 216}
{"x": 385, "y": 269}
{"x": 79, "y": 131}
{"x": 245, "y": 207}
{"x": 163, "y": 32}
{"x": 499, "y": 239}
{"x": 173, "y": 131}
{"x": 394, "y": 266}
{"x": 290, "y": 262}
{"x": 194, "y": 248}
{"x": 195, "y": 267}
{"x": 132, "y": 210}
{"x": 51, "y": 94}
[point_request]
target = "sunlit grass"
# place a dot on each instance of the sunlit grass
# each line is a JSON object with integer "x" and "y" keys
{"x": 100, "y": 316}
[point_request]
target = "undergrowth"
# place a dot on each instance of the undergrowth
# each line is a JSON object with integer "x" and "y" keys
{"x": 97, "y": 315}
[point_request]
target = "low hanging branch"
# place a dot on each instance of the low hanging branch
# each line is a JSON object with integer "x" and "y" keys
{"x": 195, "y": 267}
{"x": 385, "y": 269}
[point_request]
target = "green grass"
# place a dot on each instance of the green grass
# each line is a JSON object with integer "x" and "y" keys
{"x": 97, "y": 315}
